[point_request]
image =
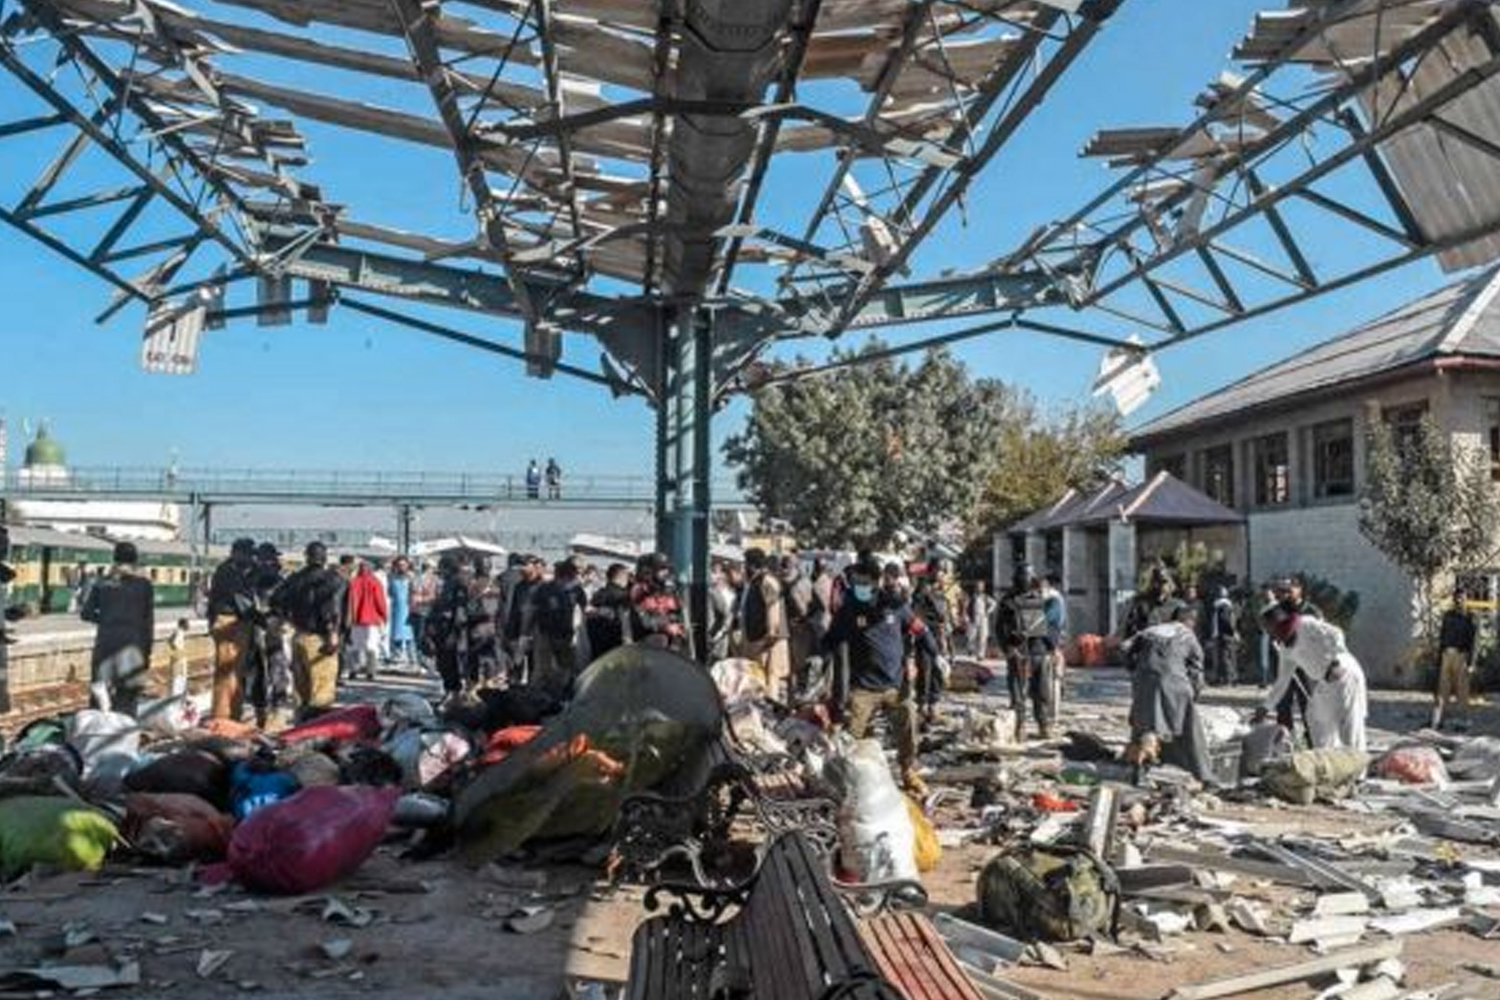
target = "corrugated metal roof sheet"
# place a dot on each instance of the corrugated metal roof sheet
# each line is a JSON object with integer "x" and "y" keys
{"x": 1451, "y": 187}
{"x": 1162, "y": 499}
{"x": 1459, "y": 319}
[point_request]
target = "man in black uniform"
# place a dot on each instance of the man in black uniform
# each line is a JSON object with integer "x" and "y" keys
{"x": 1029, "y": 637}
{"x": 231, "y": 622}
{"x": 931, "y": 605}
{"x": 123, "y": 605}
{"x": 608, "y": 621}
{"x": 876, "y": 622}
{"x": 446, "y": 634}
{"x": 267, "y": 667}
{"x": 312, "y": 600}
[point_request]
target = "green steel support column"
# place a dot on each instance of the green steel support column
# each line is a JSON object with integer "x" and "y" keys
{"x": 685, "y": 409}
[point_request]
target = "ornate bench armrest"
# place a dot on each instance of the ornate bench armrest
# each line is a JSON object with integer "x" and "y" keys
{"x": 868, "y": 899}
{"x": 697, "y": 903}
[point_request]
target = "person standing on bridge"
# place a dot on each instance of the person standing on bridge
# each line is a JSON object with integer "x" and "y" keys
{"x": 231, "y": 622}
{"x": 554, "y": 480}
{"x": 533, "y": 481}
{"x": 312, "y": 599}
{"x": 123, "y": 606}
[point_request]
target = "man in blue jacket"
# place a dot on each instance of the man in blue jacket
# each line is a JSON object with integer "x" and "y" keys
{"x": 876, "y": 622}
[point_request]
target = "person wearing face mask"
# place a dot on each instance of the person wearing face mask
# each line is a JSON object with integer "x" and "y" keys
{"x": 876, "y": 622}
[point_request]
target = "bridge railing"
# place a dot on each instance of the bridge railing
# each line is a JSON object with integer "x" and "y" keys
{"x": 183, "y": 484}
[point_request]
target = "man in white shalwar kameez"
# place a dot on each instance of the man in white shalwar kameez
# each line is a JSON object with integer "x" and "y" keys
{"x": 1338, "y": 703}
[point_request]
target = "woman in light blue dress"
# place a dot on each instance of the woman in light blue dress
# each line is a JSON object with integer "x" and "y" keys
{"x": 398, "y": 594}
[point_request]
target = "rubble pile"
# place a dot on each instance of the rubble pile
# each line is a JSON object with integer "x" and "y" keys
{"x": 1043, "y": 860}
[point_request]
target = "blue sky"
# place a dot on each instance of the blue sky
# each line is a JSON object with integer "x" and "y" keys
{"x": 360, "y": 394}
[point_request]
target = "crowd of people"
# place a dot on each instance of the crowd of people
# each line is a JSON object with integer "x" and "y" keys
{"x": 869, "y": 639}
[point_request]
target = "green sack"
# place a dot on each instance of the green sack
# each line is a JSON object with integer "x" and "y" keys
{"x": 1055, "y": 894}
{"x": 1308, "y": 775}
{"x": 37, "y": 829}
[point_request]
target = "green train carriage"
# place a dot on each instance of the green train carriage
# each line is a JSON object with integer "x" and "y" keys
{"x": 49, "y": 563}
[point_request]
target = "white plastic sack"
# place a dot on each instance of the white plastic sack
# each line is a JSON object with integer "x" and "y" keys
{"x": 738, "y": 681}
{"x": 407, "y": 709}
{"x": 1262, "y": 744}
{"x": 171, "y": 716}
{"x": 990, "y": 729}
{"x": 750, "y": 730}
{"x": 94, "y": 733}
{"x": 1477, "y": 760}
{"x": 876, "y": 838}
{"x": 1221, "y": 723}
{"x": 426, "y": 755}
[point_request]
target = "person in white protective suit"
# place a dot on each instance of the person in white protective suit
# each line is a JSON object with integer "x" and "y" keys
{"x": 1338, "y": 703}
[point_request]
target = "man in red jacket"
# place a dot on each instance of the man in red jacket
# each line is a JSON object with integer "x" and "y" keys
{"x": 367, "y": 617}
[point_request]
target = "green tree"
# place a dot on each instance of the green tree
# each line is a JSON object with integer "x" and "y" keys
{"x": 1428, "y": 504}
{"x": 851, "y": 456}
{"x": 1037, "y": 457}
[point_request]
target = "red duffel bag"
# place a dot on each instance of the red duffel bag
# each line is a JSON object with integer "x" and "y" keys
{"x": 312, "y": 839}
{"x": 352, "y": 724}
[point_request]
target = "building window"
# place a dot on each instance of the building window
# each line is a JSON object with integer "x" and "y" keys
{"x": 1173, "y": 465}
{"x": 1271, "y": 459}
{"x": 1405, "y": 423}
{"x": 1218, "y": 474}
{"x": 1333, "y": 459}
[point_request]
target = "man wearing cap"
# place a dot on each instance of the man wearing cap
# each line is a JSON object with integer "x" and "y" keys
{"x": 312, "y": 599}
{"x": 875, "y": 622}
{"x": 231, "y": 621}
{"x": 123, "y": 606}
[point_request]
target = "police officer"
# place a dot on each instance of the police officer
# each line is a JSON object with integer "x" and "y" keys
{"x": 930, "y": 602}
{"x": 312, "y": 600}
{"x": 875, "y": 623}
{"x": 656, "y": 617}
{"x": 267, "y": 666}
{"x": 1029, "y": 632}
{"x": 231, "y": 619}
{"x": 446, "y": 635}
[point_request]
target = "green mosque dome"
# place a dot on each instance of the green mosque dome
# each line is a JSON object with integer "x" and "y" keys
{"x": 44, "y": 451}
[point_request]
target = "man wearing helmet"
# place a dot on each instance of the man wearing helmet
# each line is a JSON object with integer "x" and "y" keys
{"x": 655, "y": 607}
{"x": 231, "y": 619}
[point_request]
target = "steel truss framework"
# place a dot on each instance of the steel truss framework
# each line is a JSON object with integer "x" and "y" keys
{"x": 605, "y": 144}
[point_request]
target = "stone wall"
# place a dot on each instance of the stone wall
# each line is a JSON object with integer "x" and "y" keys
{"x": 1325, "y": 541}
{"x": 51, "y": 675}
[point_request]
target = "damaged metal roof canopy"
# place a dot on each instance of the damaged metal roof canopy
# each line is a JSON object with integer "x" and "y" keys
{"x": 610, "y": 138}
{"x": 1373, "y": 119}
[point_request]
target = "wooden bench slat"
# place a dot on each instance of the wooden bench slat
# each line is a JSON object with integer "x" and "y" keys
{"x": 783, "y": 927}
{"x": 912, "y": 955}
{"x": 845, "y": 947}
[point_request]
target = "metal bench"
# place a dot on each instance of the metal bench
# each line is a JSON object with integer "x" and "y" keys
{"x": 696, "y": 827}
{"x": 789, "y": 937}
